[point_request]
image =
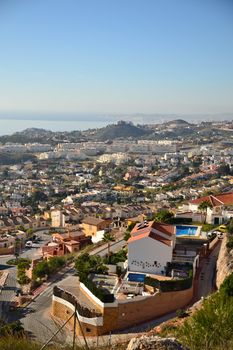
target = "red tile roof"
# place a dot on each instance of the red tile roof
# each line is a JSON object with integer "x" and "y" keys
{"x": 219, "y": 199}
{"x": 149, "y": 230}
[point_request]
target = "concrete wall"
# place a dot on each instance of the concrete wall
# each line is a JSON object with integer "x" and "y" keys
{"x": 132, "y": 312}
{"x": 126, "y": 313}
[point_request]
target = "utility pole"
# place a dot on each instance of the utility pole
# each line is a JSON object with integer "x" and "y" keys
{"x": 75, "y": 319}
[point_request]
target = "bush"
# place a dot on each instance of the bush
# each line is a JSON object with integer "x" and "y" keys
{"x": 46, "y": 268}
{"x": 227, "y": 286}
{"x": 211, "y": 327}
{"x": 208, "y": 227}
{"x": 181, "y": 313}
{"x": 229, "y": 244}
{"x": 12, "y": 329}
{"x": 115, "y": 258}
{"x": 18, "y": 261}
{"x": 170, "y": 285}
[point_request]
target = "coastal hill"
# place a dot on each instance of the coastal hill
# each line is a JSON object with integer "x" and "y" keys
{"x": 175, "y": 129}
{"x": 120, "y": 130}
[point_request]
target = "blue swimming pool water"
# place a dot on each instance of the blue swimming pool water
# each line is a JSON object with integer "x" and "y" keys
{"x": 186, "y": 230}
{"x": 136, "y": 277}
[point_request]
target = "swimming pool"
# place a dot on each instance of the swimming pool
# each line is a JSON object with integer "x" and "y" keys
{"x": 136, "y": 277}
{"x": 186, "y": 230}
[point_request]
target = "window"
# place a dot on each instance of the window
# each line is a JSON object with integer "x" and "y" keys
{"x": 88, "y": 330}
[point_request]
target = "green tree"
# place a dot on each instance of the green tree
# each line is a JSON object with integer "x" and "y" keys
{"x": 204, "y": 205}
{"x": 127, "y": 235}
{"x": 41, "y": 270}
{"x": 164, "y": 215}
{"x": 224, "y": 169}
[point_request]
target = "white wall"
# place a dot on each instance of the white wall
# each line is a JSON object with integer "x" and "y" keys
{"x": 144, "y": 252}
{"x": 98, "y": 236}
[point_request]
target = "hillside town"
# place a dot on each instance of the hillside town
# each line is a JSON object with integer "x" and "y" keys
{"x": 118, "y": 231}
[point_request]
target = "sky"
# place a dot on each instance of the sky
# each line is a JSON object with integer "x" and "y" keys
{"x": 116, "y": 56}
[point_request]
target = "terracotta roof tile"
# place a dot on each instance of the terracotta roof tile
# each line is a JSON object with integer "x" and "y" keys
{"x": 219, "y": 199}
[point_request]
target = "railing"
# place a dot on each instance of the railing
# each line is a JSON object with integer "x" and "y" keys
{"x": 82, "y": 311}
{"x": 182, "y": 258}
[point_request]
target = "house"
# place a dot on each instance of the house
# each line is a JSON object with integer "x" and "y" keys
{"x": 57, "y": 218}
{"x": 220, "y": 208}
{"x": 150, "y": 247}
{"x": 65, "y": 243}
{"x": 95, "y": 227}
{"x": 7, "y": 243}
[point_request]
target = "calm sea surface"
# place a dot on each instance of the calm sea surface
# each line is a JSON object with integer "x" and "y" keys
{"x": 9, "y": 126}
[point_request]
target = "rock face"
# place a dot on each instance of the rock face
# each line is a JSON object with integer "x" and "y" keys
{"x": 155, "y": 343}
{"x": 224, "y": 263}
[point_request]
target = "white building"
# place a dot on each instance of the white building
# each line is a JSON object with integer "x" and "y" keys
{"x": 219, "y": 210}
{"x": 150, "y": 247}
{"x": 57, "y": 218}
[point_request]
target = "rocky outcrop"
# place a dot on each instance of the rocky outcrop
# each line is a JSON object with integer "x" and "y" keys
{"x": 155, "y": 343}
{"x": 224, "y": 263}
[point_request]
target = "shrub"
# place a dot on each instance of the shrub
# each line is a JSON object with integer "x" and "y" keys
{"x": 227, "y": 286}
{"x": 12, "y": 329}
{"x": 229, "y": 244}
{"x": 181, "y": 313}
{"x": 170, "y": 285}
{"x": 211, "y": 327}
{"x": 46, "y": 268}
{"x": 17, "y": 261}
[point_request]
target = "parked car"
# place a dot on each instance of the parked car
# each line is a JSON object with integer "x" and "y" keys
{"x": 220, "y": 235}
{"x": 222, "y": 228}
{"x": 29, "y": 244}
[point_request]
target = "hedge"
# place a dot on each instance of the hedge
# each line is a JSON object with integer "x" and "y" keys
{"x": 170, "y": 285}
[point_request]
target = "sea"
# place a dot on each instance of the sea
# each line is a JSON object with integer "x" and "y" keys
{"x": 13, "y": 123}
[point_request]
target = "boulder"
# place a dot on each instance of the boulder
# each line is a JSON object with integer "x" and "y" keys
{"x": 155, "y": 343}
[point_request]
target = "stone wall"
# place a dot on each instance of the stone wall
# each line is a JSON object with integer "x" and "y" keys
{"x": 131, "y": 313}
{"x": 127, "y": 313}
{"x": 63, "y": 312}
{"x": 224, "y": 263}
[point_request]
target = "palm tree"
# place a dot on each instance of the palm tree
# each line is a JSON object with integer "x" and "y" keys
{"x": 108, "y": 237}
{"x": 203, "y": 206}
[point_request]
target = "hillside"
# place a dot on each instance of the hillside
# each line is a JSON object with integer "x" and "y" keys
{"x": 175, "y": 129}
{"x": 177, "y": 123}
{"x": 120, "y": 130}
{"x": 31, "y": 135}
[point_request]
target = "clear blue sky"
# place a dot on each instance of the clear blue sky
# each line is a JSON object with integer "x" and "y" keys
{"x": 116, "y": 56}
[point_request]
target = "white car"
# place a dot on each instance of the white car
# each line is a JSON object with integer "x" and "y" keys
{"x": 29, "y": 244}
{"x": 220, "y": 235}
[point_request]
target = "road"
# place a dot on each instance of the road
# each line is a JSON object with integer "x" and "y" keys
{"x": 206, "y": 283}
{"x": 8, "y": 291}
{"x": 36, "y": 318}
{"x": 39, "y": 323}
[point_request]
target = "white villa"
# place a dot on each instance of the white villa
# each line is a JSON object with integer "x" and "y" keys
{"x": 221, "y": 209}
{"x": 150, "y": 247}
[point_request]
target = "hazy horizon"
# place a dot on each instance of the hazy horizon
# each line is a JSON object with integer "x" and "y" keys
{"x": 63, "y": 122}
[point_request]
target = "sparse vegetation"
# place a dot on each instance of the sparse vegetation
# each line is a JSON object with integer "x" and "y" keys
{"x": 22, "y": 266}
{"x": 211, "y": 327}
{"x": 46, "y": 268}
